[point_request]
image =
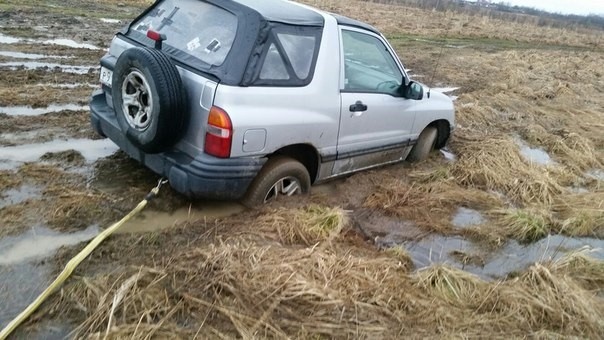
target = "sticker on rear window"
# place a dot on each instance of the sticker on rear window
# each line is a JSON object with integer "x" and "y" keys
{"x": 193, "y": 44}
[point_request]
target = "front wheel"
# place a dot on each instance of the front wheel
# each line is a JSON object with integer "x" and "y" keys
{"x": 281, "y": 176}
{"x": 425, "y": 144}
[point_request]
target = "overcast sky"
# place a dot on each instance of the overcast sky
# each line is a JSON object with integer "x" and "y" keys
{"x": 562, "y": 6}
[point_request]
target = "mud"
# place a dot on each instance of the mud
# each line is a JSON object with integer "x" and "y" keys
{"x": 57, "y": 178}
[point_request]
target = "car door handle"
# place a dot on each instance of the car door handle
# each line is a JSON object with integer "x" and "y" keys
{"x": 358, "y": 107}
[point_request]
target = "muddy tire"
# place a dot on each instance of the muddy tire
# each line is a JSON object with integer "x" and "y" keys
{"x": 148, "y": 98}
{"x": 281, "y": 176}
{"x": 425, "y": 144}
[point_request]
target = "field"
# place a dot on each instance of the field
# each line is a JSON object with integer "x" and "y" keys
{"x": 500, "y": 235}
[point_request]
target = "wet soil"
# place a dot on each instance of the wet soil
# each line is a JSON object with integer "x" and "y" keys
{"x": 60, "y": 183}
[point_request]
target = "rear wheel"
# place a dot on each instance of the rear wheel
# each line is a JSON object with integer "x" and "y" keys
{"x": 281, "y": 176}
{"x": 425, "y": 144}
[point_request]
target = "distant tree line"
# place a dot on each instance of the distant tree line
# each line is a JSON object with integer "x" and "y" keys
{"x": 506, "y": 12}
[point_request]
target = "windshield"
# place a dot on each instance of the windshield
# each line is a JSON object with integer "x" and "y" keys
{"x": 199, "y": 29}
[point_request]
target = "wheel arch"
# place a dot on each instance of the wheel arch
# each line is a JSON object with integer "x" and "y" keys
{"x": 303, "y": 153}
{"x": 444, "y": 132}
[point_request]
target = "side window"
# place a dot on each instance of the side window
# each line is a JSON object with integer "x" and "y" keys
{"x": 289, "y": 56}
{"x": 274, "y": 66}
{"x": 368, "y": 65}
{"x": 300, "y": 50}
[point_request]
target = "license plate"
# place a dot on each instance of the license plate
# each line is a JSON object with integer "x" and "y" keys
{"x": 106, "y": 76}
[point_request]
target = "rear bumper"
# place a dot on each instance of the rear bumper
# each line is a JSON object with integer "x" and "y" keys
{"x": 202, "y": 176}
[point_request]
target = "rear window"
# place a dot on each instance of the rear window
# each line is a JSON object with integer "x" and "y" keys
{"x": 199, "y": 29}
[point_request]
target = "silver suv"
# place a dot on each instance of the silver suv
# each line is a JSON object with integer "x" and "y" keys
{"x": 254, "y": 99}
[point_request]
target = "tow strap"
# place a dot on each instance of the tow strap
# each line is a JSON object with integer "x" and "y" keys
{"x": 74, "y": 262}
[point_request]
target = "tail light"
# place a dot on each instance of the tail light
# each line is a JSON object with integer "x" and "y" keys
{"x": 219, "y": 134}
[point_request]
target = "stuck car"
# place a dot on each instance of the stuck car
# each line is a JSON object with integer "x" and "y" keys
{"x": 255, "y": 99}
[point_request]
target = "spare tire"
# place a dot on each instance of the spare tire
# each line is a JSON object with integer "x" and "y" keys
{"x": 148, "y": 99}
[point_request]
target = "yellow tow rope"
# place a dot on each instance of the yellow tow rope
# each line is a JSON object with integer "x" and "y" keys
{"x": 74, "y": 262}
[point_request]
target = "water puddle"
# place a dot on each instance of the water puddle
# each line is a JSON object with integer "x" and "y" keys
{"x": 33, "y": 65}
{"x": 21, "y": 55}
{"x": 69, "y": 43}
{"x": 39, "y": 243}
{"x": 445, "y": 89}
{"x": 578, "y": 190}
{"x": 24, "y": 273}
{"x": 19, "y": 195}
{"x": 464, "y": 218}
{"x": 534, "y": 155}
{"x": 5, "y": 39}
{"x": 68, "y": 86}
{"x": 460, "y": 253}
{"x": 110, "y": 21}
{"x": 386, "y": 231}
{"x": 30, "y": 111}
{"x": 436, "y": 249}
{"x": 12, "y": 156}
{"x": 449, "y": 156}
{"x": 515, "y": 257}
{"x": 596, "y": 174}
{"x": 149, "y": 220}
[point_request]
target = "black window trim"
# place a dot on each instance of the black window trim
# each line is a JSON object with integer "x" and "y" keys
{"x": 294, "y": 80}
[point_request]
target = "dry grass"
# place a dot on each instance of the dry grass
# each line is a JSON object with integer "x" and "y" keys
{"x": 495, "y": 164}
{"x": 430, "y": 200}
{"x": 308, "y": 225}
{"x": 526, "y": 225}
{"x": 253, "y": 287}
{"x": 394, "y": 19}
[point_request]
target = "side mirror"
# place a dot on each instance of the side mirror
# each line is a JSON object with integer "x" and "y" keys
{"x": 413, "y": 91}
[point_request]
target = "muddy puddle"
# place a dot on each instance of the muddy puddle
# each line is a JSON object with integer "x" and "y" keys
{"x": 35, "y": 65}
{"x": 428, "y": 249}
{"x": 5, "y": 39}
{"x": 149, "y": 220}
{"x": 534, "y": 155}
{"x": 19, "y": 195}
{"x": 70, "y": 43}
{"x": 596, "y": 174}
{"x": 110, "y": 21}
{"x": 12, "y": 157}
{"x": 448, "y": 155}
{"x": 33, "y": 56}
{"x": 464, "y": 218}
{"x": 68, "y": 86}
{"x": 30, "y": 111}
{"x": 24, "y": 271}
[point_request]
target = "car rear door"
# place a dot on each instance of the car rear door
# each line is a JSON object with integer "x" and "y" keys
{"x": 376, "y": 121}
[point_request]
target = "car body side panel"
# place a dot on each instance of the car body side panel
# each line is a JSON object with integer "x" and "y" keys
{"x": 438, "y": 107}
{"x": 290, "y": 115}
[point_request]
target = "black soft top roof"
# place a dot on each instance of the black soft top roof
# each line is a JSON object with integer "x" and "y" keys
{"x": 342, "y": 20}
{"x": 284, "y": 12}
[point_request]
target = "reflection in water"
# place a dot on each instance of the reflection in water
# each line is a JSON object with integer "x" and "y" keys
{"x": 465, "y": 217}
{"x": 24, "y": 274}
{"x": 12, "y": 156}
{"x": 150, "y": 220}
{"x": 19, "y": 195}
